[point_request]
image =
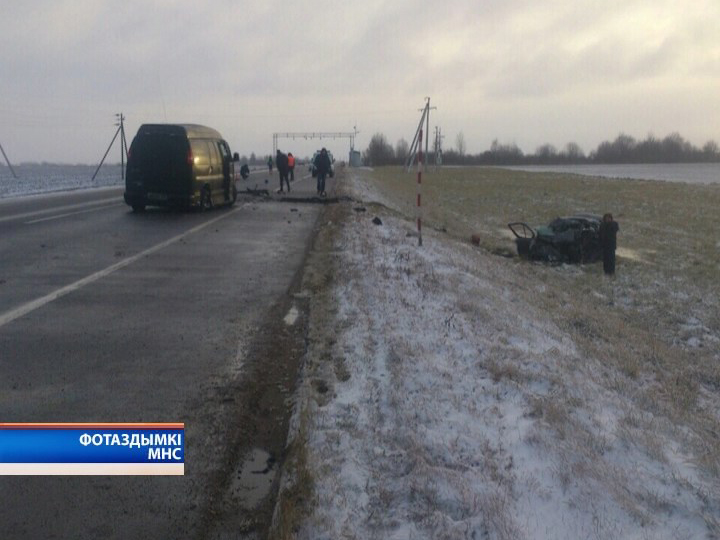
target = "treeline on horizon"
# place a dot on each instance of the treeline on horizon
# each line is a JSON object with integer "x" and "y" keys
{"x": 624, "y": 149}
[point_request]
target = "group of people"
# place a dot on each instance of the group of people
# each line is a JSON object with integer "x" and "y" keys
{"x": 285, "y": 164}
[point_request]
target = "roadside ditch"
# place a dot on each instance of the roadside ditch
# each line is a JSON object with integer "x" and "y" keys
{"x": 256, "y": 408}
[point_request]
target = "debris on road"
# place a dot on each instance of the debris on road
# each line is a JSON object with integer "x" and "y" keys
{"x": 258, "y": 192}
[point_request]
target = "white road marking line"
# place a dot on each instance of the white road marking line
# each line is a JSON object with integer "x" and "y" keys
{"x": 58, "y": 209}
{"x": 40, "y": 302}
{"x": 72, "y": 213}
{"x": 303, "y": 178}
{"x": 291, "y": 316}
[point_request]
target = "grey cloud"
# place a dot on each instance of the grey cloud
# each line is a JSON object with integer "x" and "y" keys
{"x": 272, "y": 64}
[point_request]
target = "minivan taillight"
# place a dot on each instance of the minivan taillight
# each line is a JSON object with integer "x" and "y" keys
{"x": 189, "y": 157}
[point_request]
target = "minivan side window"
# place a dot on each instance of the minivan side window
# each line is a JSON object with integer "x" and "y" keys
{"x": 201, "y": 156}
{"x": 214, "y": 155}
{"x": 224, "y": 150}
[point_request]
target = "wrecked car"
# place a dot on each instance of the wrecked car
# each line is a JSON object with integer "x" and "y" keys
{"x": 571, "y": 239}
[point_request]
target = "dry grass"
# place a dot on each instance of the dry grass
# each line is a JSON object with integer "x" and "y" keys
{"x": 651, "y": 335}
{"x": 484, "y": 200}
{"x": 645, "y": 338}
{"x": 297, "y": 497}
{"x": 294, "y": 498}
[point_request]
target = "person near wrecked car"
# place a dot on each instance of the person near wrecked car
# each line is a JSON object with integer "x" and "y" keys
{"x": 608, "y": 240}
{"x": 270, "y": 164}
{"x": 291, "y": 166}
{"x": 322, "y": 166}
{"x": 281, "y": 161}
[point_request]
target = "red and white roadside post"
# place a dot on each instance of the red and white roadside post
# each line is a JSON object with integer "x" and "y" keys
{"x": 419, "y": 186}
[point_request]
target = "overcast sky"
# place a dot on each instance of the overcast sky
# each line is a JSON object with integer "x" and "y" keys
{"x": 522, "y": 71}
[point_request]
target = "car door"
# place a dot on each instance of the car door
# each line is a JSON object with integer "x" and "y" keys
{"x": 224, "y": 151}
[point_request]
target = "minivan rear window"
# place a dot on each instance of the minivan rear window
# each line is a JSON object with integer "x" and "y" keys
{"x": 157, "y": 153}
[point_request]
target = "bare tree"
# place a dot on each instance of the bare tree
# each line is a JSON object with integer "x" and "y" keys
{"x": 402, "y": 148}
{"x": 546, "y": 153}
{"x": 503, "y": 153}
{"x": 379, "y": 151}
{"x": 710, "y": 147}
{"x": 460, "y": 144}
{"x": 572, "y": 152}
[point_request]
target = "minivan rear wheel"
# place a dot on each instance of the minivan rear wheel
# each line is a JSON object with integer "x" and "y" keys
{"x": 233, "y": 194}
{"x": 205, "y": 199}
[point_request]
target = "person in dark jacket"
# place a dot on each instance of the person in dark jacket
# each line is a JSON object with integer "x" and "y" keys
{"x": 245, "y": 171}
{"x": 322, "y": 166}
{"x": 281, "y": 162}
{"x": 608, "y": 241}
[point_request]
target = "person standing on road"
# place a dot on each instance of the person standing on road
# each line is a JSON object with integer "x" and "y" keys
{"x": 322, "y": 166}
{"x": 608, "y": 241}
{"x": 269, "y": 164}
{"x": 291, "y": 166}
{"x": 281, "y": 160}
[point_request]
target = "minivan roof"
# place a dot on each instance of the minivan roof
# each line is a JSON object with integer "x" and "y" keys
{"x": 192, "y": 131}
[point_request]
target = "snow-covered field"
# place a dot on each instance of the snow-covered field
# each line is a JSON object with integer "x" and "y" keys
{"x": 442, "y": 400}
{"x": 34, "y": 178}
{"x": 37, "y": 178}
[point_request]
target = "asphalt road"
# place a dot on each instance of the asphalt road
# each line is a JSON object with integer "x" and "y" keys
{"x": 111, "y": 316}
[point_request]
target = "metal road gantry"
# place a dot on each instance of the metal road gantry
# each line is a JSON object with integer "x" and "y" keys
{"x": 315, "y": 135}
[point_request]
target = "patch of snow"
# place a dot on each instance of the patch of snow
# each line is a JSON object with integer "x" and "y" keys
{"x": 631, "y": 254}
{"x": 468, "y": 413}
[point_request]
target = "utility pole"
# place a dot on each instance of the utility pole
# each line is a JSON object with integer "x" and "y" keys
{"x": 438, "y": 146}
{"x": 352, "y": 140}
{"x": 427, "y": 137}
{"x": 419, "y": 184}
{"x": 416, "y": 150}
{"x": 416, "y": 146}
{"x": 123, "y": 146}
{"x": 427, "y": 110}
{"x": 8, "y": 161}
